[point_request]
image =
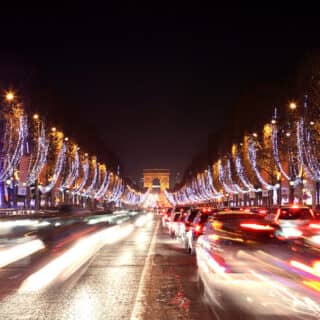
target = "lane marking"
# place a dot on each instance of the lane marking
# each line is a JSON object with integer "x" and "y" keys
{"x": 138, "y": 308}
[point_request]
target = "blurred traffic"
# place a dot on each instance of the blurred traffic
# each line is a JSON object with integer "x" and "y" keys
{"x": 53, "y": 246}
{"x": 252, "y": 262}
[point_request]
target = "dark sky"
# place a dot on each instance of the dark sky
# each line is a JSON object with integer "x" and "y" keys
{"x": 147, "y": 84}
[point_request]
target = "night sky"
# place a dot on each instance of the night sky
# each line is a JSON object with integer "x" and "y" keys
{"x": 148, "y": 85}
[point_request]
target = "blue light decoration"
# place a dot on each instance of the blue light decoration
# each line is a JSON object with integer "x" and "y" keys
{"x": 119, "y": 191}
{"x": 58, "y": 168}
{"x": 85, "y": 177}
{"x": 73, "y": 173}
{"x": 242, "y": 176}
{"x": 133, "y": 198}
{"x": 294, "y": 174}
{"x": 90, "y": 189}
{"x": 223, "y": 178}
{"x": 252, "y": 156}
{"x": 116, "y": 191}
{"x": 104, "y": 186}
{"x": 213, "y": 191}
{"x": 38, "y": 161}
{"x": 14, "y": 144}
{"x": 306, "y": 155}
{"x": 199, "y": 189}
{"x": 13, "y": 150}
{"x": 170, "y": 197}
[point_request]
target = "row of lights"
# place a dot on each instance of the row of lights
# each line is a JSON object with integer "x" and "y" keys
{"x": 10, "y": 96}
{"x": 292, "y": 106}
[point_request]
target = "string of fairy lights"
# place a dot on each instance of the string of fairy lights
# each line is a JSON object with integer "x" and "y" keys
{"x": 286, "y": 157}
{"x": 34, "y": 157}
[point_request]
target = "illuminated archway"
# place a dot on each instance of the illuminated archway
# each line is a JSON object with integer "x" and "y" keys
{"x": 156, "y": 179}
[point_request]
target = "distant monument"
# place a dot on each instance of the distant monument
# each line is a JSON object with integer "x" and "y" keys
{"x": 156, "y": 179}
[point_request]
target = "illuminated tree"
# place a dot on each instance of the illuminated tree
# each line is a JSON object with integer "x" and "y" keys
{"x": 70, "y": 171}
{"x": 13, "y": 136}
{"x": 261, "y": 157}
{"x": 50, "y": 177}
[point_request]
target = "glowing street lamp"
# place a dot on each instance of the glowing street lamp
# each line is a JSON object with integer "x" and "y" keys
{"x": 53, "y": 129}
{"x": 293, "y": 105}
{"x": 255, "y": 134}
{"x": 10, "y": 96}
{"x": 35, "y": 116}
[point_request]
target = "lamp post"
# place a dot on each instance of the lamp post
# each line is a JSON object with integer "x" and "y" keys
{"x": 36, "y": 132}
{"x": 9, "y": 97}
{"x": 293, "y": 107}
{"x": 291, "y": 191}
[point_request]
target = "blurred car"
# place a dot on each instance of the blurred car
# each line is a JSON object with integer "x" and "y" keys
{"x": 294, "y": 221}
{"x": 179, "y": 226}
{"x": 173, "y": 224}
{"x": 177, "y": 209}
{"x": 185, "y": 226}
{"x": 166, "y": 217}
{"x": 196, "y": 229}
{"x": 247, "y": 273}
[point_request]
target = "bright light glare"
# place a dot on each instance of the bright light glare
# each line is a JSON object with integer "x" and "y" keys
{"x": 293, "y": 106}
{"x": 9, "y": 96}
{"x": 316, "y": 267}
{"x": 255, "y": 226}
{"x": 314, "y": 226}
{"x": 314, "y": 270}
{"x": 141, "y": 221}
{"x": 19, "y": 251}
{"x": 315, "y": 240}
{"x": 312, "y": 284}
{"x": 6, "y": 226}
{"x": 291, "y": 233}
{"x": 70, "y": 261}
{"x": 211, "y": 262}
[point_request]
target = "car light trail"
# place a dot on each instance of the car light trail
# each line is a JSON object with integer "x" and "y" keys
{"x": 19, "y": 251}
{"x": 70, "y": 261}
{"x": 314, "y": 270}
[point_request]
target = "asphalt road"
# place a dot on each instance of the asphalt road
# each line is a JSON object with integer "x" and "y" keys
{"x": 146, "y": 275}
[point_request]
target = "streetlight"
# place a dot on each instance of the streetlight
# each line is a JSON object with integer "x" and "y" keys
{"x": 10, "y": 96}
{"x": 293, "y": 105}
{"x": 53, "y": 129}
{"x": 35, "y": 116}
{"x": 255, "y": 134}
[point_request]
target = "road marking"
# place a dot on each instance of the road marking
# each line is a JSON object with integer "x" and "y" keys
{"x": 138, "y": 308}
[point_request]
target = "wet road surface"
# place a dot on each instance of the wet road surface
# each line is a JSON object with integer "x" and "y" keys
{"x": 145, "y": 276}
